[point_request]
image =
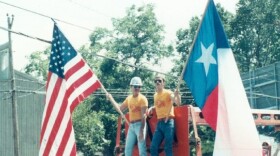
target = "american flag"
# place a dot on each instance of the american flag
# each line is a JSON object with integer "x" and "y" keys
{"x": 70, "y": 81}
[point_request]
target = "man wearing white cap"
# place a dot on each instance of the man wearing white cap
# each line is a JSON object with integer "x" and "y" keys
{"x": 137, "y": 105}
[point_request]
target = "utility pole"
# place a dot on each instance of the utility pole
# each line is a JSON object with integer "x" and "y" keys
{"x": 13, "y": 86}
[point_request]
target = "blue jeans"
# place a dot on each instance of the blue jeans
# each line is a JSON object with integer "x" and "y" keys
{"x": 164, "y": 131}
{"x": 132, "y": 137}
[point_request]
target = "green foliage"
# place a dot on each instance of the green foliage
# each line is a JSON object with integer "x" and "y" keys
{"x": 38, "y": 66}
{"x": 186, "y": 36}
{"x": 139, "y": 36}
{"x": 253, "y": 34}
{"x": 89, "y": 129}
{"x": 90, "y": 58}
{"x": 136, "y": 39}
{"x": 110, "y": 125}
{"x": 185, "y": 39}
{"x": 256, "y": 33}
{"x": 207, "y": 137}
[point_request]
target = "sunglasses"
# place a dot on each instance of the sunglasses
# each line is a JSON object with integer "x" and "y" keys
{"x": 136, "y": 87}
{"x": 157, "y": 81}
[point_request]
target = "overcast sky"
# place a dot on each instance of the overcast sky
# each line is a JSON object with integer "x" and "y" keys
{"x": 88, "y": 14}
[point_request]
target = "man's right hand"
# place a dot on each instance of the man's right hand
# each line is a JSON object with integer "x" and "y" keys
{"x": 109, "y": 96}
{"x": 150, "y": 111}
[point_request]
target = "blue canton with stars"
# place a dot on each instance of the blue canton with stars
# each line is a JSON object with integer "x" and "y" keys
{"x": 61, "y": 52}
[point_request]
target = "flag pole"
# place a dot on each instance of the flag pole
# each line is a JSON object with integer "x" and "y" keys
{"x": 191, "y": 49}
{"x": 106, "y": 92}
{"x": 114, "y": 105}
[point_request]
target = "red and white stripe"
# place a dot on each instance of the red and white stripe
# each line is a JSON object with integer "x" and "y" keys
{"x": 62, "y": 96}
{"x": 236, "y": 132}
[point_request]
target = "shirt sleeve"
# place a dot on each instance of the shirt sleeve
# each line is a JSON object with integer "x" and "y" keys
{"x": 170, "y": 94}
{"x": 125, "y": 102}
{"x": 144, "y": 102}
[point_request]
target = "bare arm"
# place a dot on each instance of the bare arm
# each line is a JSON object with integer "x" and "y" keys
{"x": 112, "y": 100}
{"x": 150, "y": 111}
{"x": 143, "y": 112}
{"x": 143, "y": 122}
{"x": 176, "y": 97}
{"x": 123, "y": 107}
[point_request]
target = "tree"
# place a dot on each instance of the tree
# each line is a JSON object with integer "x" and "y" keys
{"x": 183, "y": 45}
{"x": 88, "y": 125}
{"x": 38, "y": 66}
{"x": 185, "y": 39}
{"x": 136, "y": 39}
{"x": 256, "y": 33}
{"x": 39, "y": 62}
{"x": 89, "y": 129}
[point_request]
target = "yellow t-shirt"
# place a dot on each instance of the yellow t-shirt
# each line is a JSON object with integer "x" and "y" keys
{"x": 163, "y": 102}
{"x": 134, "y": 105}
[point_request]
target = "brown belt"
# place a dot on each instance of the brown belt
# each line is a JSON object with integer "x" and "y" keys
{"x": 163, "y": 119}
{"x": 134, "y": 121}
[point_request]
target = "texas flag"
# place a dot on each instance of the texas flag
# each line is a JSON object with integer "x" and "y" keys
{"x": 213, "y": 78}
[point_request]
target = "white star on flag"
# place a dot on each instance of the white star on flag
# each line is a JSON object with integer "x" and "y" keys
{"x": 206, "y": 58}
{"x": 70, "y": 80}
